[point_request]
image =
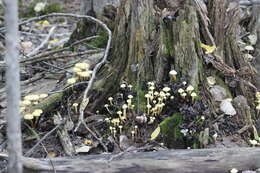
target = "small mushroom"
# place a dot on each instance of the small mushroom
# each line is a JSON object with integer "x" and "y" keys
{"x": 183, "y": 95}
{"x": 29, "y": 117}
{"x": 37, "y": 113}
{"x": 148, "y": 108}
{"x": 106, "y": 106}
{"x": 120, "y": 129}
{"x": 43, "y": 96}
{"x": 82, "y": 66}
{"x": 124, "y": 107}
{"x": 26, "y": 103}
{"x": 193, "y": 96}
{"x": 181, "y": 90}
{"x": 75, "y": 106}
{"x": 71, "y": 81}
{"x": 110, "y": 99}
{"x": 189, "y": 89}
{"x": 166, "y": 89}
{"x": 123, "y": 86}
{"x": 173, "y": 74}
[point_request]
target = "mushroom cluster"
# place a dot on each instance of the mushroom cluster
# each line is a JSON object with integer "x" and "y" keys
{"x": 189, "y": 91}
{"x": 123, "y": 119}
{"x": 81, "y": 73}
{"x": 118, "y": 114}
{"x": 156, "y": 100}
{"x": 25, "y": 108}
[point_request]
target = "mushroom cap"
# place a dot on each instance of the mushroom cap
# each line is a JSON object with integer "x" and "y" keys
{"x": 149, "y": 106}
{"x": 124, "y": 106}
{"x": 115, "y": 120}
{"x": 130, "y": 86}
{"x": 147, "y": 95}
{"x": 173, "y": 72}
{"x": 257, "y": 94}
{"x": 75, "y": 104}
{"x": 150, "y": 83}
{"x": 32, "y": 97}
{"x": 130, "y": 96}
{"x": 183, "y": 94}
{"x": 123, "y": 85}
{"x": 110, "y": 98}
{"x": 42, "y": 96}
{"x": 162, "y": 94}
{"x": 76, "y": 69}
{"x": 37, "y": 112}
{"x": 193, "y": 94}
{"x": 84, "y": 74}
{"x": 152, "y": 88}
{"x": 28, "y": 116}
{"x": 119, "y": 112}
{"x": 190, "y": 88}
{"x": 82, "y": 66}
{"x": 26, "y": 102}
{"x": 71, "y": 80}
{"x": 258, "y": 107}
{"x": 156, "y": 93}
{"x": 180, "y": 90}
{"x": 22, "y": 109}
{"x": 166, "y": 89}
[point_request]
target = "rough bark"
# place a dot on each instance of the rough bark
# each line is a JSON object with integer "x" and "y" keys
{"x": 184, "y": 161}
{"x": 145, "y": 46}
{"x": 13, "y": 87}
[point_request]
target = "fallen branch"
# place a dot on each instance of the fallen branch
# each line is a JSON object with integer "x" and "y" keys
{"x": 184, "y": 161}
{"x": 45, "y": 41}
{"x": 28, "y": 153}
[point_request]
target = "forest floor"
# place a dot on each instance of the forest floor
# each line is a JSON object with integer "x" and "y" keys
{"x": 45, "y": 68}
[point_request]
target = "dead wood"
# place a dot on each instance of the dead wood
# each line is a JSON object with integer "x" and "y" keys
{"x": 184, "y": 161}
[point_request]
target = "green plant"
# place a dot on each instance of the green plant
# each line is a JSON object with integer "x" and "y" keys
{"x": 28, "y": 11}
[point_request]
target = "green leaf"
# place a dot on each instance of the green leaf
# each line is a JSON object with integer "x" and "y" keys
{"x": 209, "y": 49}
{"x": 155, "y": 133}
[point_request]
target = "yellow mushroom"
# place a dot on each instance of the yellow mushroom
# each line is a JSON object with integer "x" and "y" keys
{"x": 29, "y": 117}
{"x": 75, "y": 106}
{"x": 82, "y": 66}
{"x": 42, "y": 96}
{"x": 26, "y": 103}
{"x": 71, "y": 81}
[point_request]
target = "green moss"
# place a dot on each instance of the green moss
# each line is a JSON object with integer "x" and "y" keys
{"x": 27, "y": 11}
{"x": 170, "y": 130}
{"x": 140, "y": 100}
{"x": 100, "y": 42}
{"x": 166, "y": 39}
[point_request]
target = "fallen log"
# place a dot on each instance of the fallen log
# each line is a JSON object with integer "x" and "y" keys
{"x": 180, "y": 161}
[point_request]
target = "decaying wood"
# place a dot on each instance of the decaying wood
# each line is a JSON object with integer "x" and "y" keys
{"x": 64, "y": 137}
{"x": 184, "y": 161}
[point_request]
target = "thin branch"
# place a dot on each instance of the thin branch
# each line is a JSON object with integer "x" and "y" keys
{"x": 28, "y": 153}
{"x": 45, "y": 41}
